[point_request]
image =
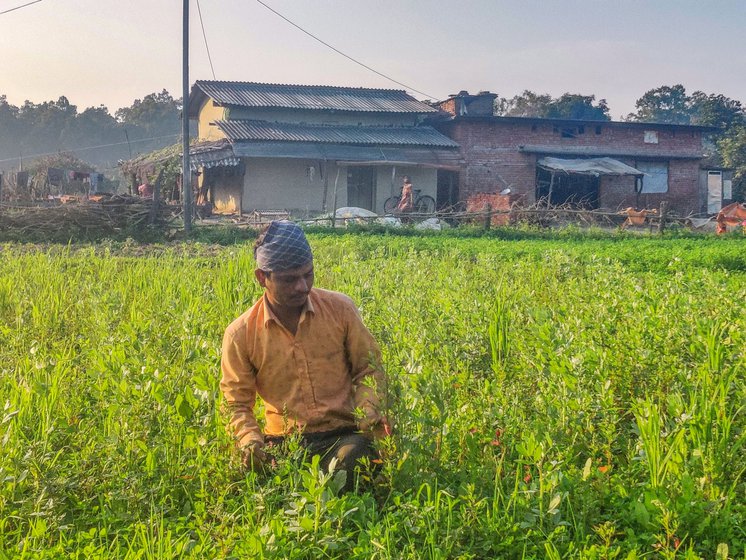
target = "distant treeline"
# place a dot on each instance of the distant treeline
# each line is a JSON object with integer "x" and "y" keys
{"x": 94, "y": 135}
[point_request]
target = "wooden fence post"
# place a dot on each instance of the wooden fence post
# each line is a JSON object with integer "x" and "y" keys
{"x": 334, "y": 205}
{"x": 156, "y": 198}
{"x": 488, "y": 217}
{"x": 663, "y": 211}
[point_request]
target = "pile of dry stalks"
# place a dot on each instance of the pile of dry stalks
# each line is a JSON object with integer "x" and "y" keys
{"x": 108, "y": 216}
{"x": 541, "y": 215}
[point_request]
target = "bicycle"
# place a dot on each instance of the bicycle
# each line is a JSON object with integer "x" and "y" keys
{"x": 423, "y": 204}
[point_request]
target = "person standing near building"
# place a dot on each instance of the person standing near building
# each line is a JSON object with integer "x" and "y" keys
{"x": 406, "y": 204}
{"x": 307, "y": 354}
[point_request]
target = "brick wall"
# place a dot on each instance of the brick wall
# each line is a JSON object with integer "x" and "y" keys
{"x": 683, "y": 190}
{"x": 494, "y": 161}
{"x": 449, "y": 105}
{"x": 501, "y": 203}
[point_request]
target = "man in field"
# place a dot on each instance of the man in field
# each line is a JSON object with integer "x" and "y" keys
{"x": 306, "y": 353}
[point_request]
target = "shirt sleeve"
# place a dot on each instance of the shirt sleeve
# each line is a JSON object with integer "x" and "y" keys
{"x": 238, "y": 385}
{"x": 368, "y": 377}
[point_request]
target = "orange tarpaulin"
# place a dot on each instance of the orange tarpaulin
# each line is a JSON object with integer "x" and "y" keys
{"x": 733, "y": 214}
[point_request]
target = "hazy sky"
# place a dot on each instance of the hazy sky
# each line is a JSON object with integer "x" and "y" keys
{"x": 112, "y": 52}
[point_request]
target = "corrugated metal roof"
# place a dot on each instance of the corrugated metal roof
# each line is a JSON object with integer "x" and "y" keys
{"x": 250, "y": 94}
{"x": 610, "y": 151}
{"x": 571, "y": 122}
{"x": 291, "y": 132}
{"x": 213, "y": 158}
{"x": 370, "y": 155}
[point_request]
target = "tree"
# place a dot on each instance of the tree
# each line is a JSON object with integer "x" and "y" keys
{"x": 156, "y": 113}
{"x": 671, "y": 104}
{"x": 152, "y": 122}
{"x": 45, "y": 124}
{"x": 732, "y": 148}
{"x": 10, "y": 129}
{"x": 666, "y": 104}
{"x": 98, "y": 131}
{"x": 567, "y": 106}
{"x": 580, "y": 107}
{"x": 715, "y": 110}
{"x": 527, "y": 104}
{"x": 95, "y": 134}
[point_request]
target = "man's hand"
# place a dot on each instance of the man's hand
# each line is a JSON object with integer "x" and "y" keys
{"x": 381, "y": 430}
{"x": 253, "y": 457}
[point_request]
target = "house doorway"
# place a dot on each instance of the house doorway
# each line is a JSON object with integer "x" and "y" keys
{"x": 447, "y": 196}
{"x": 361, "y": 187}
{"x": 578, "y": 191}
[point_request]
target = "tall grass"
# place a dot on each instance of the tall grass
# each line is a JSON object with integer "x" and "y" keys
{"x": 552, "y": 397}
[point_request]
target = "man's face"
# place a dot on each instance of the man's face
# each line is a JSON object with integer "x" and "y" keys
{"x": 288, "y": 289}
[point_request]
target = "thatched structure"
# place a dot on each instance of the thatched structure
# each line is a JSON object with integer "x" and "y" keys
{"x": 80, "y": 218}
{"x": 166, "y": 164}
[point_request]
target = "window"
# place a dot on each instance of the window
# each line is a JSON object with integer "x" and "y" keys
{"x": 650, "y": 137}
{"x": 656, "y": 176}
{"x": 569, "y": 131}
{"x": 598, "y": 129}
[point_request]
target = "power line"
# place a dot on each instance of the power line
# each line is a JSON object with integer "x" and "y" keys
{"x": 19, "y": 7}
{"x": 199, "y": 11}
{"x": 336, "y": 50}
{"x": 29, "y": 156}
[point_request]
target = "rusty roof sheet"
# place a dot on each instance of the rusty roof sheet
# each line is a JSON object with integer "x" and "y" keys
{"x": 242, "y": 130}
{"x": 251, "y": 94}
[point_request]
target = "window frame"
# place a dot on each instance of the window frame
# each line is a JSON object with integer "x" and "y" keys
{"x": 646, "y": 184}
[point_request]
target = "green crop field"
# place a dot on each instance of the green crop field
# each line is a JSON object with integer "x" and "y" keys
{"x": 565, "y": 397}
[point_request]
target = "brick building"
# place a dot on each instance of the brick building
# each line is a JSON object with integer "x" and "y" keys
{"x": 593, "y": 164}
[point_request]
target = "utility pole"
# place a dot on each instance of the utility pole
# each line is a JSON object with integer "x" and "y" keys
{"x": 186, "y": 172}
{"x": 129, "y": 146}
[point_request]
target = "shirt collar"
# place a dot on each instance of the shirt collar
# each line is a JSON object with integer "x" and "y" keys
{"x": 270, "y": 316}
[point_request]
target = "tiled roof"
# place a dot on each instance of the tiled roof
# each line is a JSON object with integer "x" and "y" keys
{"x": 238, "y": 130}
{"x": 250, "y": 94}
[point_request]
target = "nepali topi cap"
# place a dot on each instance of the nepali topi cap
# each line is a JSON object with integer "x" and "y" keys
{"x": 283, "y": 246}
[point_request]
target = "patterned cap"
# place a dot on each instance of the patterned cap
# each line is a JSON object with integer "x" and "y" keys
{"x": 284, "y": 247}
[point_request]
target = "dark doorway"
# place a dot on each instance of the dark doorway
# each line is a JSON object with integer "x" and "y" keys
{"x": 578, "y": 191}
{"x": 361, "y": 187}
{"x": 447, "y": 196}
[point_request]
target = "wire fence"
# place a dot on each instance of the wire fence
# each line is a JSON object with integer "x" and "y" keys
{"x": 539, "y": 215}
{"x": 122, "y": 211}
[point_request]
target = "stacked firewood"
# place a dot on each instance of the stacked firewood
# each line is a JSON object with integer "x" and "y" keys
{"x": 100, "y": 217}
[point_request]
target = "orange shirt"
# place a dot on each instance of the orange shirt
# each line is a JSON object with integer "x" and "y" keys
{"x": 406, "y": 202}
{"x": 313, "y": 381}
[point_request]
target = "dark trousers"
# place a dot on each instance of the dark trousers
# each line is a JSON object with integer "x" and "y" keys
{"x": 346, "y": 445}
